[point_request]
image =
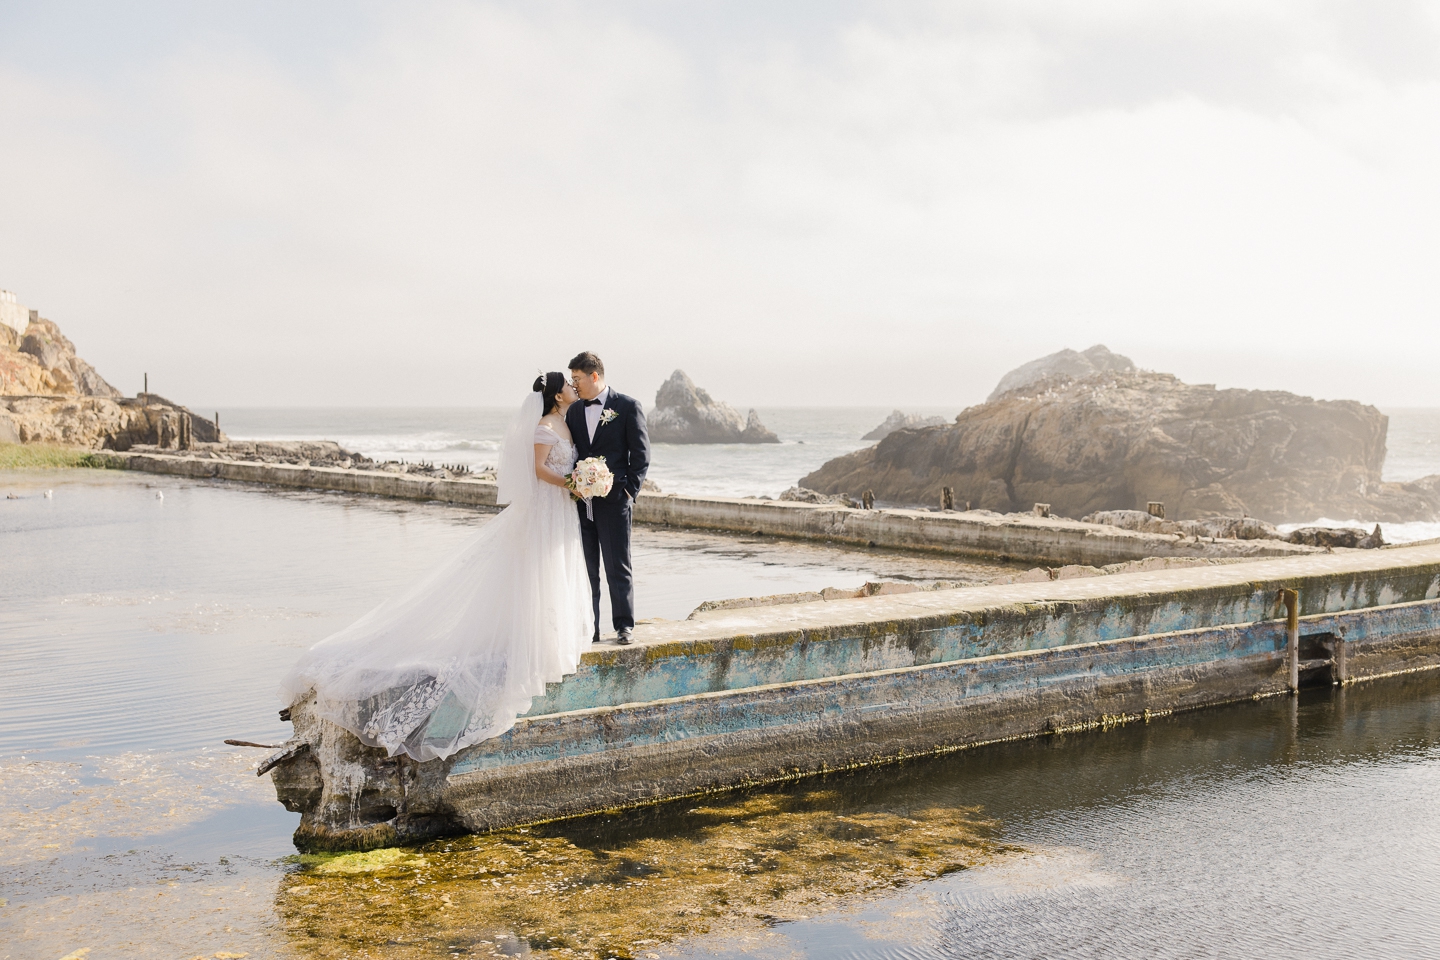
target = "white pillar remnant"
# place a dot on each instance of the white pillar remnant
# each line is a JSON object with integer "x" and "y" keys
{"x": 12, "y": 313}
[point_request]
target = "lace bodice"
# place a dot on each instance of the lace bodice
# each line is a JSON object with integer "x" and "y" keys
{"x": 561, "y": 457}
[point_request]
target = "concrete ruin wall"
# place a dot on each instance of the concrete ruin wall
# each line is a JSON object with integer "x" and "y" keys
{"x": 1021, "y": 538}
{"x": 13, "y": 313}
{"x": 768, "y": 694}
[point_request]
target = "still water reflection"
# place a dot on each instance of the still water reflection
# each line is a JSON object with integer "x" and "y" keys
{"x": 1274, "y": 828}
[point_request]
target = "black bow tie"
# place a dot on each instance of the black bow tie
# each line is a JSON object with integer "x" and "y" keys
{"x": 593, "y": 403}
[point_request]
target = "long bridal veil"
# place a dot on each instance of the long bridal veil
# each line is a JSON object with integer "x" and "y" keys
{"x": 461, "y": 653}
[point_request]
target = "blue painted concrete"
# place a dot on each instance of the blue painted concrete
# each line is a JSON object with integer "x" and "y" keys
{"x": 787, "y": 655}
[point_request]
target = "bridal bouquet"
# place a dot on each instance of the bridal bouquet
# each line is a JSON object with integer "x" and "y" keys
{"x": 590, "y": 478}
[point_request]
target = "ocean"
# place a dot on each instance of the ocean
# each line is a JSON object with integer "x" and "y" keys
{"x": 809, "y": 436}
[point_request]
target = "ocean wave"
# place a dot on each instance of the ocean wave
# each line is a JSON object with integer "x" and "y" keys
{"x": 413, "y": 444}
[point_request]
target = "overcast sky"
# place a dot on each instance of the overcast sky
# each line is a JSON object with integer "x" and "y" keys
{"x": 797, "y": 203}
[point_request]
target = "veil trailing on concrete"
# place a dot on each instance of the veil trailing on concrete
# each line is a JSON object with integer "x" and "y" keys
{"x": 459, "y": 655}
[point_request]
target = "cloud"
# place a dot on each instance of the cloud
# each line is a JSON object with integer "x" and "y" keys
{"x": 865, "y": 204}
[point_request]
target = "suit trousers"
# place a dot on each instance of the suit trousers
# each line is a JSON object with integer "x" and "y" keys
{"x": 607, "y": 537}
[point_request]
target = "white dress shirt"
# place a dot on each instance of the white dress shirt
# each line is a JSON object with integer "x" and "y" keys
{"x": 593, "y": 411}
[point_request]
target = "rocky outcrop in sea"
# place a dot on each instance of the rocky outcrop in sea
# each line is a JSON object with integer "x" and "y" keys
{"x": 48, "y": 394}
{"x": 899, "y": 420}
{"x": 1117, "y": 441}
{"x": 684, "y": 413}
{"x": 1068, "y": 364}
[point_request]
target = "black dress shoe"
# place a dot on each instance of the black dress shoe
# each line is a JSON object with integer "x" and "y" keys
{"x": 623, "y": 638}
{"x": 595, "y": 639}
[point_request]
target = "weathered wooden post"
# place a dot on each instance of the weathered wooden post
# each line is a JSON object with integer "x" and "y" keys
{"x": 1156, "y": 509}
{"x": 146, "y": 394}
{"x": 1291, "y": 599}
{"x": 947, "y": 498}
{"x": 867, "y": 499}
{"x": 1342, "y": 671}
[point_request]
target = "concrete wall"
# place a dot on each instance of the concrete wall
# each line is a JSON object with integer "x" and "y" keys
{"x": 758, "y": 695}
{"x": 735, "y": 649}
{"x": 1023, "y": 538}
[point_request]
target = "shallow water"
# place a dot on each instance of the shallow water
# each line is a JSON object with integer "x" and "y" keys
{"x": 136, "y": 633}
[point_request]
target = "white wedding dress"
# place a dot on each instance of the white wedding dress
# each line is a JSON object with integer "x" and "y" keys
{"x": 458, "y": 656}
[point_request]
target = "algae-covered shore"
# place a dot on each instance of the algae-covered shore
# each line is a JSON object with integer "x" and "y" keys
{"x": 46, "y": 456}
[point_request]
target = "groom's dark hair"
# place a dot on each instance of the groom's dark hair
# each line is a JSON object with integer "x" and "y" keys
{"x": 587, "y": 362}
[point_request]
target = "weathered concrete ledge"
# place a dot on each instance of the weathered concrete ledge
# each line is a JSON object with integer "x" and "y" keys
{"x": 757, "y": 695}
{"x": 1041, "y": 540}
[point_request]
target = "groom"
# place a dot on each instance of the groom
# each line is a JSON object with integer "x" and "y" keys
{"x": 610, "y": 425}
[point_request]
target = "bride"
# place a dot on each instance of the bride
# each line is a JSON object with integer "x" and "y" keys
{"x": 457, "y": 657}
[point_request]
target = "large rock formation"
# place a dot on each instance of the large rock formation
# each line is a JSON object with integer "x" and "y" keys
{"x": 1115, "y": 441}
{"x": 684, "y": 413}
{"x": 104, "y": 423}
{"x": 49, "y": 395}
{"x": 1067, "y": 363}
{"x": 899, "y": 420}
{"x": 41, "y": 361}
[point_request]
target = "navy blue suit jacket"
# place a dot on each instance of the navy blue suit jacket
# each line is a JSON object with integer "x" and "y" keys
{"x": 623, "y": 441}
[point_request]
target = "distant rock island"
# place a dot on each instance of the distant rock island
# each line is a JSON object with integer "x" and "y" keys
{"x": 49, "y": 395}
{"x": 1115, "y": 438}
{"x": 899, "y": 420}
{"x": 684, "y": 413}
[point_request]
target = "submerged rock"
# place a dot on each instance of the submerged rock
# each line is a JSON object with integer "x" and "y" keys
{"x": 899, "y": 420}
{"x": 1115, "y": 441}
{"x": 684, "y": 413}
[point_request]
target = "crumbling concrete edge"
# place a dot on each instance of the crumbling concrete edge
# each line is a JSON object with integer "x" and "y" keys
{"x": 561, "y": 766}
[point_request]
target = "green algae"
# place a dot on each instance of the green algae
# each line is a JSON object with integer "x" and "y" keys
{"x": 334, "y": 864}
{"x": 45, "y": 456}
{"x": 619, "y": 886}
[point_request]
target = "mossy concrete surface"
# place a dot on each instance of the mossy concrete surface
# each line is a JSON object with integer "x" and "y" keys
{"x": 766, "y": 694}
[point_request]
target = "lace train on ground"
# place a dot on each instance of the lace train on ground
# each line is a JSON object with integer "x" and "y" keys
{"x": 456, "y": 658}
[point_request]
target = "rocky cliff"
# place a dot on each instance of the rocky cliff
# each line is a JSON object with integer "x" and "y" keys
{"x": 1067, "y": 363}
{"x": 41, "y": 361}
{"x": 1115, "y": 441}
{"x": 899, "y": 420}
{"x": 684, "y": 413}
{"x": 104, "y": 422}
{"x": 49, "y": 395}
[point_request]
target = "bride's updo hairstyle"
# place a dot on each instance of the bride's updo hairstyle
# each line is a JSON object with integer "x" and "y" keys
{"x": 549, "y": 385}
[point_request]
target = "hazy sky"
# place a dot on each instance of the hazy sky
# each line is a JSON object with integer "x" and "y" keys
{"x": 798, "y": 203}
